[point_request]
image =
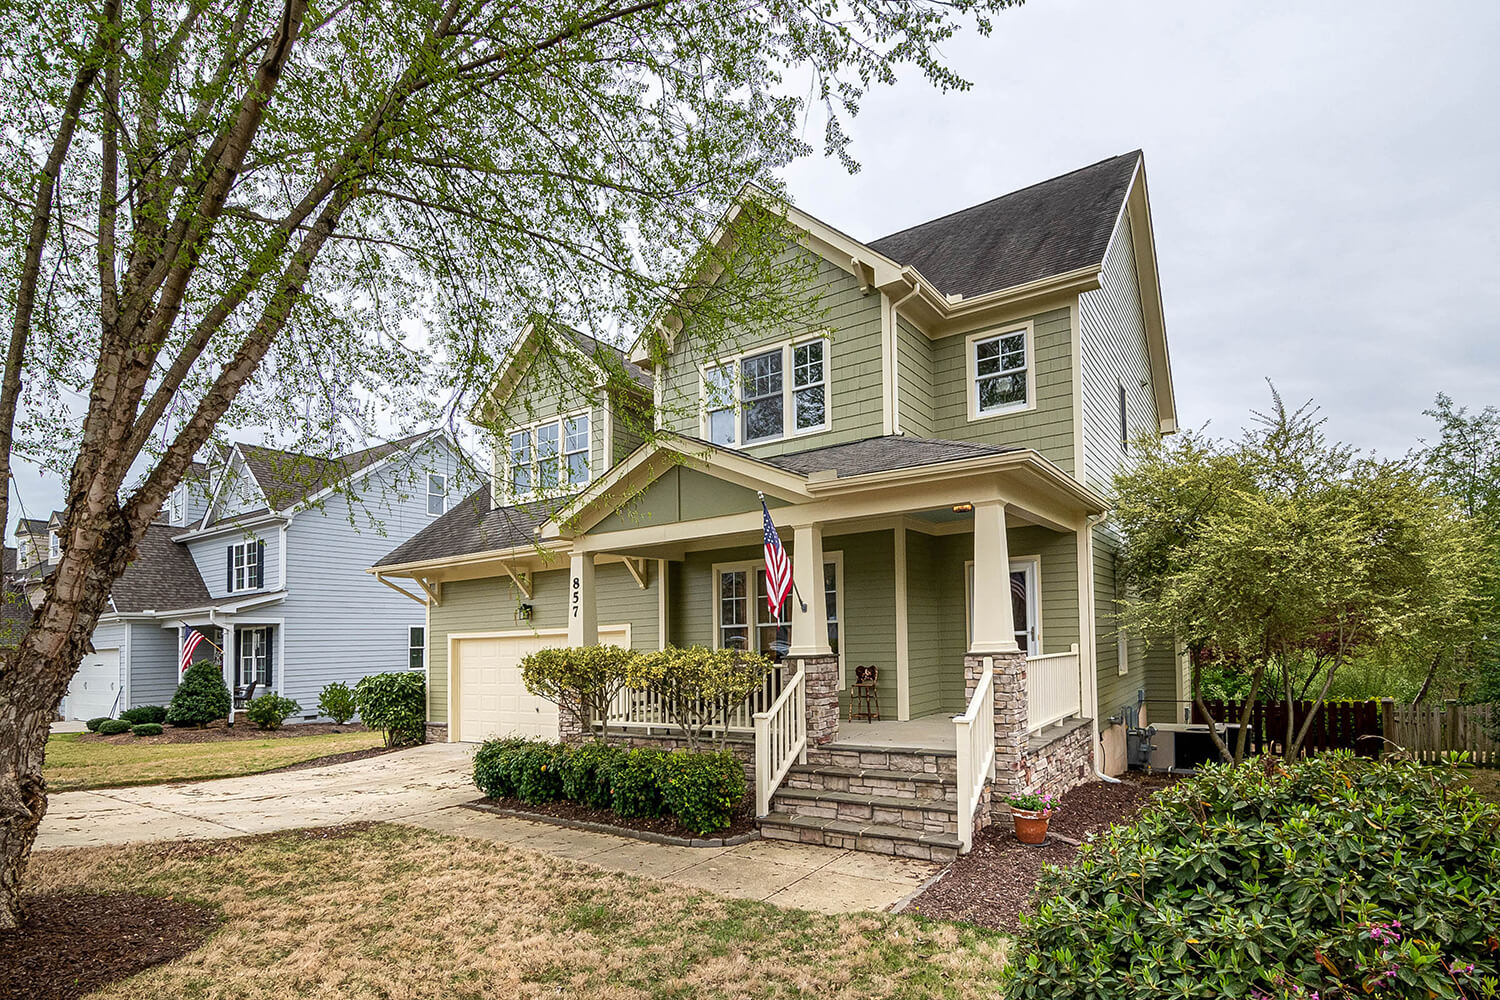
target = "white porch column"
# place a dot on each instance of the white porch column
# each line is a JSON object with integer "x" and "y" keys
{"x": 228, "y": 658}
{"x": 809, "y": 628}
{"x": 583, "y": 616}
{"x": 993, "y": 614}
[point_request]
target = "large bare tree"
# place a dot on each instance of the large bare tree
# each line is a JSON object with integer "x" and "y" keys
{"x": 308, "y": 216}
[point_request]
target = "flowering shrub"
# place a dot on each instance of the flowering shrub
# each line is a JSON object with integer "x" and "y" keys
{"x": 1336, "y": 877}
{"x": 1031, "y": 802}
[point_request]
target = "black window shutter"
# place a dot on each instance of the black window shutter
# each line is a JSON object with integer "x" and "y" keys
{"x": 260, "y": 564}
{"x": 231, "y": 569}
{"x": 270, "y": 658}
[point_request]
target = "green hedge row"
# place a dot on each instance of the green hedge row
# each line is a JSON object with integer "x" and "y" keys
{"x": 702, "y": 790}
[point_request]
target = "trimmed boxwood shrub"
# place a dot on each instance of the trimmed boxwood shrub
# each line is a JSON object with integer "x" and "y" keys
{"x": 146, "y": 729}
{"x": 93, "y": 724}
{"x": 586, "y": 774}
{"x": 201, "y": 698}
{"x": 701, "y": 789}
{"x": 145, "y": 713}
{"x": 269, "y": 711}
{"x": 494, "y": 767}
{"x": 634, "y": 783}
{"x": 1336, "y": 877}
{"x": 113, "y": 727}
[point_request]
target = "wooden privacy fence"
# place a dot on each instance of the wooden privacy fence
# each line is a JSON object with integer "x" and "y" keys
{"x": 1427, "y": 731}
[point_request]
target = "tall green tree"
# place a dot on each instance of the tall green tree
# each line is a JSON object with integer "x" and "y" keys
{"x": 306, "y": 215}
{"x": 1283, "y": 552}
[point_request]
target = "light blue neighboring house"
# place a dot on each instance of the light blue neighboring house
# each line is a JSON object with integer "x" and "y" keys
{"x": 264, "y": 552}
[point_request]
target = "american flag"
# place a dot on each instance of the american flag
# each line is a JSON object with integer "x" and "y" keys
{"x": 778, "y": 567}
{"x": 194, "y": 639}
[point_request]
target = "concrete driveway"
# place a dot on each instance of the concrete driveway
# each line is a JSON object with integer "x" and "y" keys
{"x": 424, "y": 787}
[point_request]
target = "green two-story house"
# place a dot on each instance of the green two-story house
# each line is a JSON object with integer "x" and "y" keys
{"x": 937, "y": 457}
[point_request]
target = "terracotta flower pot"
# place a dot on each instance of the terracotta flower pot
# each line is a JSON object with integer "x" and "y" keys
{"x": 1031, "y": 825}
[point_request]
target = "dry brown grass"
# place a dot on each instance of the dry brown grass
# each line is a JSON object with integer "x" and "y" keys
{"x": 393, "y": 912}
{"x": 73, "y": 764}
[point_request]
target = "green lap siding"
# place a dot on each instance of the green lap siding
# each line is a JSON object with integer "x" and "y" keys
{"x": 491, "y": 605}
{"x": 914, "y": 380}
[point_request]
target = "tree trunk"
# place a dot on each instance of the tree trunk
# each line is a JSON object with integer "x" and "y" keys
{"x": 35, "y": 677}
{"x": 1432, "y": 670}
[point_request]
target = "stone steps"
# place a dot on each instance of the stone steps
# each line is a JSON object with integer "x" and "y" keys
{"x": 915, "y": 786}
{"x": 874, "y": 838}
{"x": 930, "y": 816}
{"x": 909, "y": 760}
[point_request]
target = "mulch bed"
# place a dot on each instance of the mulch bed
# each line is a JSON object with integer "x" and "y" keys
{"x": 219, "y": 731}
{"x": 991, "y": 885}
{"x": 743, "y": 822}
{"x": 73, "y": 944}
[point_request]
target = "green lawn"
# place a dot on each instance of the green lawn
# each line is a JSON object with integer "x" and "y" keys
{"x": 73, "y": 764}
{"x": 397, "y": 913}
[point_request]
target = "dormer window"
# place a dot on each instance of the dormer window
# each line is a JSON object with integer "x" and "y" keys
{"x": 548, "y": 455}
{"x": 54, "y": 547}
{"x": 175, "y": 505}
{"x": 1000, "y": 372}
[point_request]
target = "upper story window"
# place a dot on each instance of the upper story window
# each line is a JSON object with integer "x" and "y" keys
{"x": 247, "y": 566}
{"x": 1124, "y": 421}
{"x": 175, "y": 505}
{"x": 54, "y": 547}
{"x": 437, "y": 494}
{"x": 550, "y": 454}
{"x": 750, "y": 399}
{"x": 1000, "y": 372}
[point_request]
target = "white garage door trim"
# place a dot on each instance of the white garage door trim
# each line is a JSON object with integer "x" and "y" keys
{"x": 620, "y": 633}
{"x": 102, "y": 665}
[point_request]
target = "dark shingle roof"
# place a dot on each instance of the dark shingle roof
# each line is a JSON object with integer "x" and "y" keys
{"x": 475, "y": 526}
{"x": 610, "y": 357}
{"x": 163, "y": 576}
{"x": 1049, "y": 228}
{"x": 34, "y": 526}
{"x": 288, "y": 477}
{"x": 881, "y": 454}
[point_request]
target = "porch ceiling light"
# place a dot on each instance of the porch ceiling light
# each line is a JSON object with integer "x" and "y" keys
{"x": 963, "y": 508}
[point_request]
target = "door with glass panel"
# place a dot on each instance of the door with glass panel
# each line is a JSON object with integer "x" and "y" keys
{"x": 1025, "y": 608}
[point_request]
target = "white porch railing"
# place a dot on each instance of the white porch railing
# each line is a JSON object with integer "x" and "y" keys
{"x": 644, "y": 709}
{"x": 975, "y": 732}
{"x": 780, "y": 739}
{"x": 1053, "y": 688}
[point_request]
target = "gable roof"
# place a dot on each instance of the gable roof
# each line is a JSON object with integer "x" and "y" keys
{"x": 287, "y": 478}
{"x": 162, "y": 576}
{"x": 598, "y": 357}
{"x": 1050, "y": 228}
{"x": 475, "y": 525}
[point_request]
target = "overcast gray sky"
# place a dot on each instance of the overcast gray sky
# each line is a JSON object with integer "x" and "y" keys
{"x": 1322, "y": 177}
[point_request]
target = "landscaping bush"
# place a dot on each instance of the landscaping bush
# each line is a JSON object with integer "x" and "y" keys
{"x": 538, "y": 770}
{"x": 1336, "y": 876}
{"x": 702, "y": 790}
{"x": 495, "y": 767}
{"x": 337, "y": 702}
{"x": 201, "y": 698}
{"x": 586, "y": 774}
{"x": 93, "y": 724}
{"x": 146, "y": 729}
{"x": 579, "y": 680}
{"x": 698, "y": 686}
{"x": 113, "y": 727}
{"x": 269, "y": 711}
{"x": 396, "y": 704}
{"x": 634, "y": 786}
{"x": 145, "y": 714}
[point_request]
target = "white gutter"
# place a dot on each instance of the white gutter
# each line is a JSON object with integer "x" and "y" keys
{"x": 1090, "y": 525}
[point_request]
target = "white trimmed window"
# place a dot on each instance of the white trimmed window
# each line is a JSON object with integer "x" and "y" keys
{"x": 999, "y": 372}
{"x": 416, "y": 647}
{"x": 245, "y": 567}
{"x": 175, "y": 505}
{"x": 437, "y": 494}
{"x": 548, "y": 455}
{"x": 767, "y": 395}
{"x": 576, "y": 449}
{"x": 54, "y": 547}
{"x": 742, "y": 615}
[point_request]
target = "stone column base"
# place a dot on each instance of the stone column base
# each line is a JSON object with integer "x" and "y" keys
{"x": 1010, "y": 721}
{"x": 822, "y": 683}
{"x": 570, "y": 728}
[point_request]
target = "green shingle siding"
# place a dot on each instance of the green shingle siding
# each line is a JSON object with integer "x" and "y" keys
{"x": 914, "y": 381}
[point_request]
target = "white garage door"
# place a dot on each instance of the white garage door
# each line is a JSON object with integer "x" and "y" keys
{"x": 492, "y": 700}
{"x": 93, "y": 690}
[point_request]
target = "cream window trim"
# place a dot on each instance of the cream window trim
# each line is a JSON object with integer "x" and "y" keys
{"x": 750, "y": 567}
{"x": 562, "y": 485}
{"x": 972, "y": 376}
{"x": 789, "y": 429}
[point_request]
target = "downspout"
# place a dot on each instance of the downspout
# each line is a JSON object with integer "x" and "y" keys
{"x": 1091, "y": 524}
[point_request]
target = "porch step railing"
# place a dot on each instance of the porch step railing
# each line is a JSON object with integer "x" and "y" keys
{"x": 975, "y": 740}
{"x": 1053, "y": 688}
{"x": 780, "y": 739}
{"x": 644, "y": 709}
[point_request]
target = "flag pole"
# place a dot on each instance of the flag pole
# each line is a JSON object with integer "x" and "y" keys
{"x": 762, "y": 498}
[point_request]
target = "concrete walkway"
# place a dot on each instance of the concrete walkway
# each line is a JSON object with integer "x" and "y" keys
{"x": 423, "y": 786}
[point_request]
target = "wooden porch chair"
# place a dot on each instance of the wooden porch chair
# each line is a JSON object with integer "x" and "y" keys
{"x": 864, "y": 694}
